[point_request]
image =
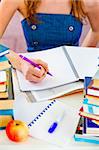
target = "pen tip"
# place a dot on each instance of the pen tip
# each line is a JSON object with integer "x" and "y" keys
{"x": 50, "y": 74}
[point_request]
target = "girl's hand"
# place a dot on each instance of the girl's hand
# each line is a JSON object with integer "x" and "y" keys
{"x": 34, "y": 74}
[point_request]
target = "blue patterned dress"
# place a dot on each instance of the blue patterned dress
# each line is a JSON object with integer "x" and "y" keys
{"x": 53, "y": 30}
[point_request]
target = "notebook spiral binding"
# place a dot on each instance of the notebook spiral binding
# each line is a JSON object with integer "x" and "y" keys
{"x": 41, "y": 114}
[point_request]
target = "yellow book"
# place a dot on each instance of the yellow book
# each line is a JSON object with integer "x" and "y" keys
{"x": 3, "y": 95}
{"x": 6, "y": 104}
{"x": 4, "y": 65}
{"x": 96, "y": 83}
{"x": 96, "y": 80}
{"x": 4, "y": 120}
{"x": 93, "y": 100}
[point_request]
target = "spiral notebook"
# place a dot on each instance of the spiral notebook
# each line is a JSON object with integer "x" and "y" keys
{"x": 40, "y": 116}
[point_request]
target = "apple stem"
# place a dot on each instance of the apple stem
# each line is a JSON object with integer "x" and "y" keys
{"x": 17, "y": 124}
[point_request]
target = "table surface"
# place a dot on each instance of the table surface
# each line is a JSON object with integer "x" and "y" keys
{"x": 74, "y": 101}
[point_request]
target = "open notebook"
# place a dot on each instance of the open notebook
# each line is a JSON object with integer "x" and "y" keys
{"x": 40, "y": 116}
{"x": 68, "y": 65}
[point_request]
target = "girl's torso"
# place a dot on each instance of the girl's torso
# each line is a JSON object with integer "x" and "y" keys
{"x": 55, "y": 29}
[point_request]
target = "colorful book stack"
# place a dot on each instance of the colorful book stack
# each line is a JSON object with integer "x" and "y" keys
{"x": 88, "y": 126}
{"x": 6, "y": 89}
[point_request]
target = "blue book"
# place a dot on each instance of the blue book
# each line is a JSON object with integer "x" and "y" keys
{"x": 6, "y": 112}
{"x": 91, "y": 124}
{"x": 3, "y": 58}
{"x": 89, "y": 139}
{"x": 3, "y": 50}
{"x": 80, "y": 137}
{"x": 90, "y": 127}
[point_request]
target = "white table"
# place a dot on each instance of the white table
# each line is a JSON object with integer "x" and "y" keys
{"x": 75, "y": 101}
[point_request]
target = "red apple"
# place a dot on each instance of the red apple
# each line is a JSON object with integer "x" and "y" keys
{"x": 17, "y": 131}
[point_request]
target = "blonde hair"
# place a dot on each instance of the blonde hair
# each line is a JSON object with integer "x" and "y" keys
{"x": 32, "y": 5}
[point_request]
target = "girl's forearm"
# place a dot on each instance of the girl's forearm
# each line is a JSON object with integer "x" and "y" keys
{"x": 14, "y": 59}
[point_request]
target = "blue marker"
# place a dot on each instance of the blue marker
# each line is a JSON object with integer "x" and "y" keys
{"x": 55, "y": 124}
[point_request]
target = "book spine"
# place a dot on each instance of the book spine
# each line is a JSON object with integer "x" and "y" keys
{"x": 4, "y": 53}
{"x": 3, "y": 58}
{"x": 6, "y": 104}
{"x": 84, "y": 125}
{"x": 93, "y": 92}
{"x": 90, "y": 108}
{"x": 10, "y": 85}
{"x": 93, "y": 100}
{"x": 87, "y": 115}
{"x": 6, "y": 112}
{"x": 2, "y": 128}
{"x": 80, "y": 139}
{"x": 4, "y": 120}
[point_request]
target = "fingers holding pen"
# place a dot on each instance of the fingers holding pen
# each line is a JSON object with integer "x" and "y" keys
{"x": 33, "y": 74}
{"x": 42, "y": 63}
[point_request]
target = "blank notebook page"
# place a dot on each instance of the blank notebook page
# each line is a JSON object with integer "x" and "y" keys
{"x": 85, "y": 60}
{"x": 59, "y": 67}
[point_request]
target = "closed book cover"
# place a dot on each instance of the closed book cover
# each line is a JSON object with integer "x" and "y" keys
{"x": 58, "y": 91}
{"x": 80, "y": 137}
{"x": 90, "y": 108}
{"x": 88, "y": 115}
{"x": 90, "y": 127}
{"x": 4, "y": 120}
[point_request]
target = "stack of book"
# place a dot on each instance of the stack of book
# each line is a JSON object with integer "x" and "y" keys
{"x": 88, "y": 126}
{"x": 6, "y": 91}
